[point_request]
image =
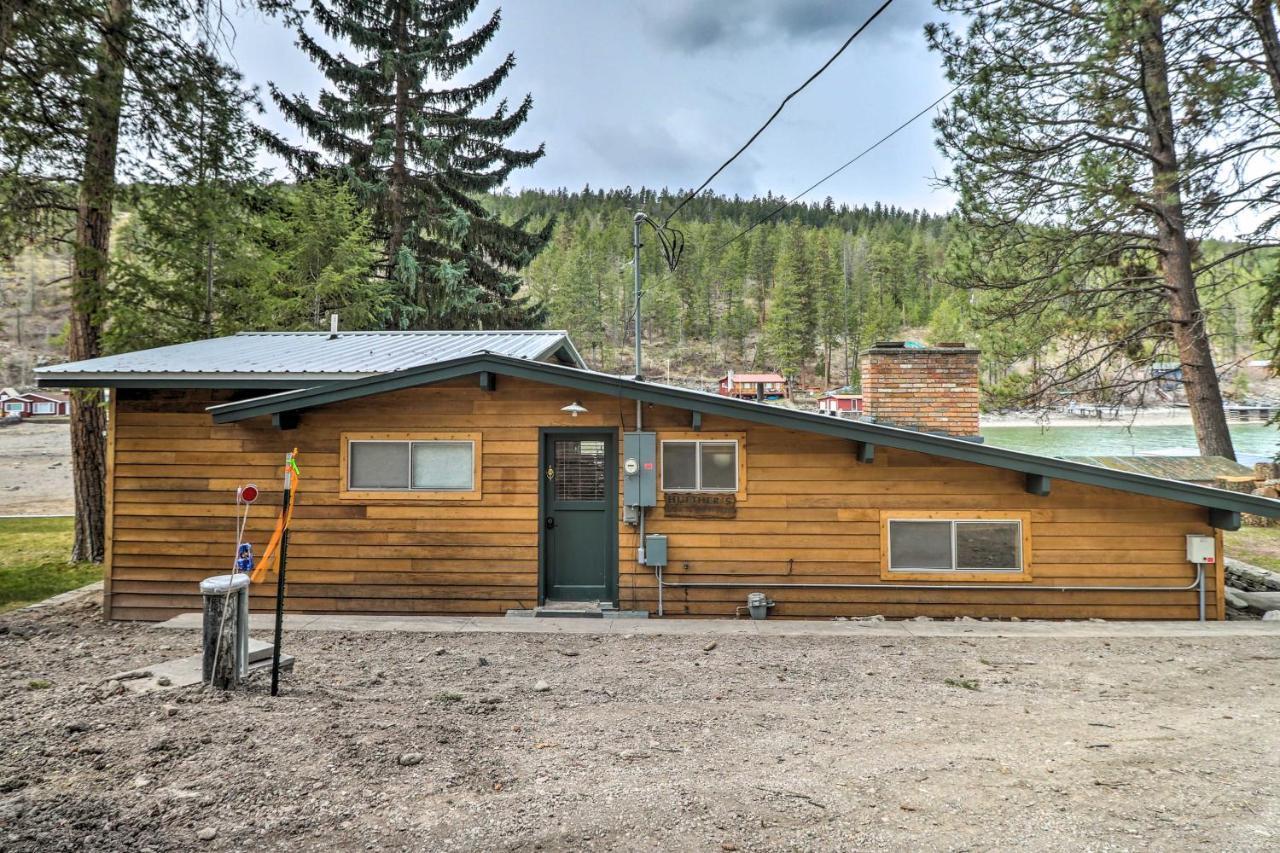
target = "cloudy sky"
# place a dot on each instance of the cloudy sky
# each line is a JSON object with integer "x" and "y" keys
{"x": 659, "y": 93}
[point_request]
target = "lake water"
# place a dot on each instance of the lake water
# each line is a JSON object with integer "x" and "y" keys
{"x": 1253, "y": 442}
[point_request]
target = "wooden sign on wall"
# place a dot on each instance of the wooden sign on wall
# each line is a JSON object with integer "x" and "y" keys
{"x": 701, "y": 505}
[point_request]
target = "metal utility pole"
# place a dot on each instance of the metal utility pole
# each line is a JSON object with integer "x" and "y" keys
{"x": 636, "y": 245}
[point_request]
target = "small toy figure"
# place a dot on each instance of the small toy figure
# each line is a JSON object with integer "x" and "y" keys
{"x": 244, "y": 558}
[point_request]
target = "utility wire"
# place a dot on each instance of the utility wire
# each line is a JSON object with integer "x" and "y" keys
{"x": 778, "y": 111}
{"x": 864, "y": 152}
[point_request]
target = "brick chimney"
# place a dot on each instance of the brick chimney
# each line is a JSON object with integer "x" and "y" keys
{"x": 929, "y": 389}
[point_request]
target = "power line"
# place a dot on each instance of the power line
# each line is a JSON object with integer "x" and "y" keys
{"x": 778, "y": 111}
{"x": 864, "y": 152}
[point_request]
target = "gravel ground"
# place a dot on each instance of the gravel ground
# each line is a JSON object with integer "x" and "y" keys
{"x": 443, "y": 742}
{"x": 35, "y": 478}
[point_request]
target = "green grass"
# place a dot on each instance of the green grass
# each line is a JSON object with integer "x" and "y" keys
{"x": 33, "y": 561}
{"x": 1259, "y": 546}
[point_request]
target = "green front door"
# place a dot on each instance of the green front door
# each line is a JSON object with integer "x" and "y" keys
{"x": 579, "y": 501}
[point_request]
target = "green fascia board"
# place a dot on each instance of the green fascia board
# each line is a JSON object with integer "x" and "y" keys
{"x": 748, "y": 410}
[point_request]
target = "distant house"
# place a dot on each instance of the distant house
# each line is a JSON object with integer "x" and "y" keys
{"x": 841, "y": 402}
{"x": 33, "y": 403}
{"x": 11, "y": 402}
{"x": 753, "y": 386}
{"x": 47, "y": 403}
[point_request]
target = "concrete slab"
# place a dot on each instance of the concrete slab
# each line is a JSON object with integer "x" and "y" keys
{"x": 257, "y": 621}
{"x": 187, "y": 671}
{"x": 687, "y": 628}
{"x": 807, "y": 628}
{"x": 745, "y": 627}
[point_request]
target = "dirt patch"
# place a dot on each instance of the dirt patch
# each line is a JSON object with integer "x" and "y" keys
{"x": 441, "y": 742}
{"x": 35, "y": 478}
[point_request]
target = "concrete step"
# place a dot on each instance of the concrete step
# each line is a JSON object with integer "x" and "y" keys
{"x": 566, "y": 613}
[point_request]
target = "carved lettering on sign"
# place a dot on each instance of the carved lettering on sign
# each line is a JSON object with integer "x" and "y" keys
{"x": 701, "y": 505}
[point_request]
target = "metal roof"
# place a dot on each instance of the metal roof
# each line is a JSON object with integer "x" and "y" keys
{"x": 753, "y": 377}
{"x": 301, "y": 359}
{"x": 863, "y": 432}
{"x": 1193, "y": 469}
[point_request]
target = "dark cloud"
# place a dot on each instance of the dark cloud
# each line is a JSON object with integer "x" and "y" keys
{"x": 634, "y": 154}
{"x": 699, "y": 24}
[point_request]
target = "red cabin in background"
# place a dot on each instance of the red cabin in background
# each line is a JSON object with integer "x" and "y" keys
{"x": 752, "y": 386}
{"x": 33, "y": 404}
{"x": 841, "y": 403}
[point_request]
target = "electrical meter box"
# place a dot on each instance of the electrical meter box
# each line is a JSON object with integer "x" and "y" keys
{"x": 1200, "y": 549}
{"x": 655, "y": 549}
{"x": 639, "y": 469}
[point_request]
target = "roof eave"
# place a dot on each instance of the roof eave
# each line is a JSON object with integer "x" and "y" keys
{"x": 869, "y": 433}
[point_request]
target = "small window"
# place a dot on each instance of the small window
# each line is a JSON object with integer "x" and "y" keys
{"x": 13, "y": 407}
{"x": 700, "y": 466}
{"x": 442, "y": 466}
{"x": 955, "y": 545}
{"x": 42, "y": 408}
{"x": 412, "y": 467}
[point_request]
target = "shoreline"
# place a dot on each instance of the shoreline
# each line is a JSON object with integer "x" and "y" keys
{"x": 1124, "y": 419}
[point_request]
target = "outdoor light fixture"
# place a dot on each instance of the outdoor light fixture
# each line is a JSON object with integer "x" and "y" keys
{"x": 575, "y": 408}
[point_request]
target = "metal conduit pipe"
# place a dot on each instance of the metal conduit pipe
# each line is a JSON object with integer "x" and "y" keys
{"x": 1198, "y": 583}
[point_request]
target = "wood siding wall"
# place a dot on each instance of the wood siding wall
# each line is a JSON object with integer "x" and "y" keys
{"x": 811, "y": 514}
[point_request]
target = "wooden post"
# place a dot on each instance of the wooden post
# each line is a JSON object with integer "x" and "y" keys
{"x": 284, "y": 554}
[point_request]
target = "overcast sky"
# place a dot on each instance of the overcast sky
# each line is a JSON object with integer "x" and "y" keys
{"x": 659, "y": 93}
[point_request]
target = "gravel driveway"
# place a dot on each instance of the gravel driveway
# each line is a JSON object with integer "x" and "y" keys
{"x": 441, "y": 742}
{"x": 35, "y": 477}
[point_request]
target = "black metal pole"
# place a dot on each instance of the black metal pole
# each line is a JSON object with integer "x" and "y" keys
{"x": 284, "y": 554}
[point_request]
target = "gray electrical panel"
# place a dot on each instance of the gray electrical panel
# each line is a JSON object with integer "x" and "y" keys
{"x": 639, "y": 469}
{"x": 655, "y": 550}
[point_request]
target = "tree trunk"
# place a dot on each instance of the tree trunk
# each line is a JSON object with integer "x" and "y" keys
{"x": 103, "y": 100}
{"x": 398, "y": 176}
{"x": 1190, "y": 334}
{"x": 8, "y": 17}
{"x": 1264, "y": 23}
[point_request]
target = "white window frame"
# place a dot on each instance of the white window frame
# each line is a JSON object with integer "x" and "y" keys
{"x": 410, "y": 488}
{"x": 14, "y": 406}
{"x": 697, "y": 456}
{"x": 954, "y": 523}
{"x": 44, "y": 407}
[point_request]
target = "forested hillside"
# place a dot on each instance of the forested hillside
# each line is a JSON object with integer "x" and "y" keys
{"x": 804, "y": 291}
{"x": 799, "y": 294}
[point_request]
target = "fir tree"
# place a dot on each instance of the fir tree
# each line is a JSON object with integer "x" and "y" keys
{"x": 316, "y": 257}
{"x": 789, "y": 331}
{"x": 418, "y": 152}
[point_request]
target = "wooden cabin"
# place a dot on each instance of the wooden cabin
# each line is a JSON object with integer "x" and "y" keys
{"x": 33, "y": 404}
{"x": 753, "y": 386}
{"x": 841, "y": 403}
{"x": 486, "y": 481}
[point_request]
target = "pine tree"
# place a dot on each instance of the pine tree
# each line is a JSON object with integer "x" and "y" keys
{"x": 789, "y": 331}
{"x": 418, "y": 153}
{"x": 315, "y": 257}
{"x": 186, "y": 250}
{"x": 1100, "y": 209}
{"x": 829, "y": 300}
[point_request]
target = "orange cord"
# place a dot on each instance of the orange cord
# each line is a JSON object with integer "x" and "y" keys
{"x": 270, "y": 556}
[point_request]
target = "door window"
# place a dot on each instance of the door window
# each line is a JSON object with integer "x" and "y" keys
{"x": 580, "y": 474}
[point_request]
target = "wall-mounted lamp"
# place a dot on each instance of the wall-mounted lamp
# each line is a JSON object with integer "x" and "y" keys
{"x": 575, "y": 408}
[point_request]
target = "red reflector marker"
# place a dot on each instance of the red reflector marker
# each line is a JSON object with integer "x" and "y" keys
{"x": 249, "y": 493}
